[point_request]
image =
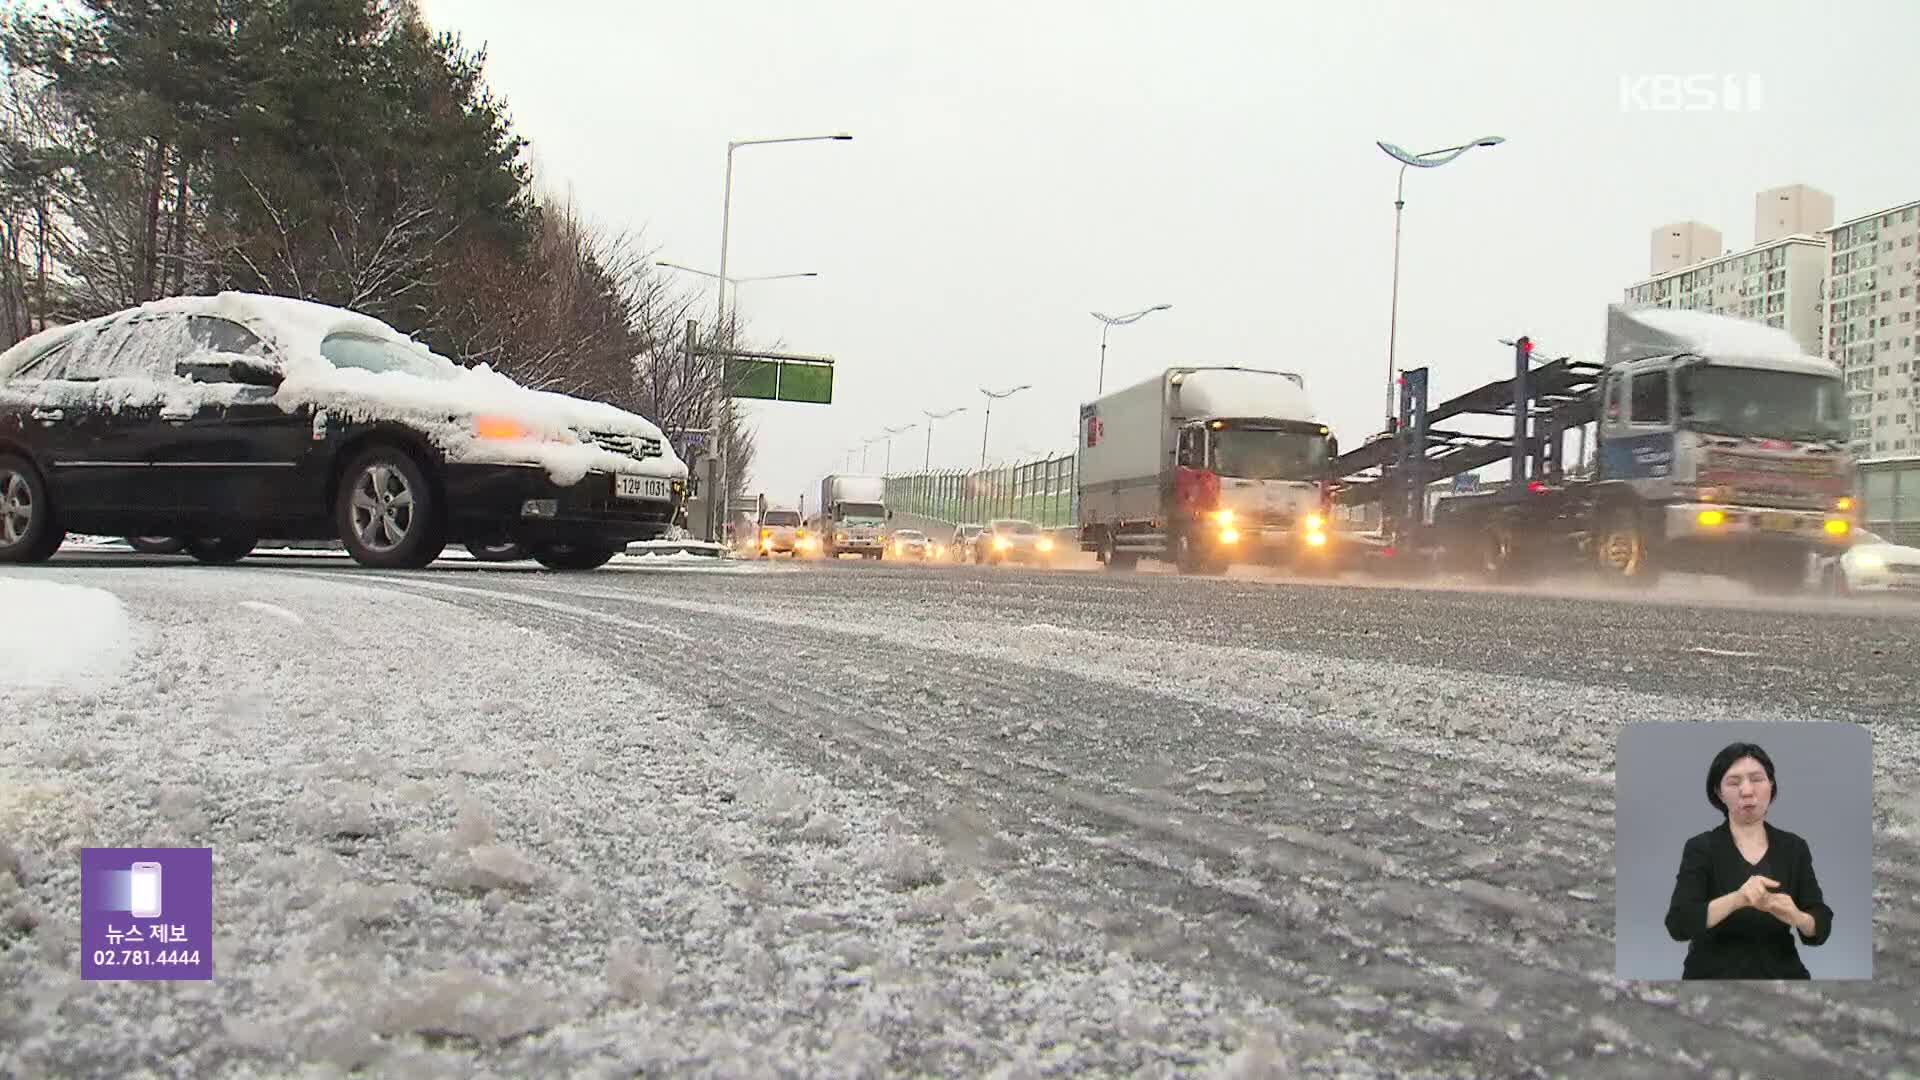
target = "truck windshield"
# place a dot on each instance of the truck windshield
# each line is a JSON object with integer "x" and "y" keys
{"x": 862, "y": 511}
{"x": 1757, "y": 403}
{"x": 1254, "y": 454}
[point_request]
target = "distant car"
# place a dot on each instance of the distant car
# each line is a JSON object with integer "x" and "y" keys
{"x": 782, "y": 532}
{"x": 221, "y": 420}
{"x": 964, "y": 538}
{"x": 1012, "y": 540}
{"x": 911, "y": 544}
{"x": 1873, "y": 565}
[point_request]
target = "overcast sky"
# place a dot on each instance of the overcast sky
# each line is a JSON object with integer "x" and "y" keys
{"x": 1017, "y": 165}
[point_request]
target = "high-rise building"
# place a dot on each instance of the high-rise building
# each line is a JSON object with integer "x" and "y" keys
{"x": 1873, "y": 325}
{"x": 1794, "y": 210}
{"x": 1683, "y": 244}
{"x": 1777, "y": 283}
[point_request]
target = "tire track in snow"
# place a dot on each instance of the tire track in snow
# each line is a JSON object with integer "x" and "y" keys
{"x": 830, "y": 698}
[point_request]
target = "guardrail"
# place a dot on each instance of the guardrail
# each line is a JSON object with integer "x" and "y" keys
{"x": 1043, "y": 492}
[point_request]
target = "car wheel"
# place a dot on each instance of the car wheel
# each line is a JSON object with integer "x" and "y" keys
{"x": 220, "y": 550}
{"x": 28, "y": 532}
{"x": 387, "y": 513}
{"x": 500, "y": 551}
{"x": 157, "y": 545}
{"x": 573, "y": 556}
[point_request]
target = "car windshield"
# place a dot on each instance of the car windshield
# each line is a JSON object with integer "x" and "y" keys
{"x": 1257, "y": 454}
{"x": 1758, "y": 403}
{"x": 376, "y": 355}
{"x": 783, "y": 518}
{"x": 1016, "y": 528}
{"x": 909, "y": 534}
{"x": 862, "y": 512}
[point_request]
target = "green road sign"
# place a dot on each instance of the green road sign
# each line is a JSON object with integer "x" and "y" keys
{"x": 781, "y": 380}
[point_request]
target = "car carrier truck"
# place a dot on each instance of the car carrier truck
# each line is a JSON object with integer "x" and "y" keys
{"x": 1720, "y": 448}
{"x": 853, "y": 513}
{"x": 1204, "y": 467}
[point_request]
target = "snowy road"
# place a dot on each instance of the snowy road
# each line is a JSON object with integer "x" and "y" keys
{"x": 741, "y": 820}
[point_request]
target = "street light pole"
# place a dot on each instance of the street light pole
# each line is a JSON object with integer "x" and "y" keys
{"x": 722, "y": 395}
{"x": 890, "y": 433}
{"x": 1429, "y": 160}
{"x": 1108, "y": 322}
{"x": 987, "y": 424}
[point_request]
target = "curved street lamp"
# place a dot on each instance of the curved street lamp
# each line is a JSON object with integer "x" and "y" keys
{"x": 1432, "y": 159}
{"x": 993, "y": 396}
{"x": 1111, "y": 321}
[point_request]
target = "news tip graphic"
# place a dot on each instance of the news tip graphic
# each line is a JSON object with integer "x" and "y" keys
{"x": 146, "y": 913}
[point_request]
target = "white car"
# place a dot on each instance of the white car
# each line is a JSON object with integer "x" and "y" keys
{"x": 1873, "y": 565}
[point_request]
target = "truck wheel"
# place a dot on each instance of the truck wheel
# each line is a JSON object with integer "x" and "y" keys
{"x": 1500, "y": 553}
{"x": 1624, "y": 550}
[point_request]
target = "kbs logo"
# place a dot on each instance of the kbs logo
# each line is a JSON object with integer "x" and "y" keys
{"x": 1690, "y": 93}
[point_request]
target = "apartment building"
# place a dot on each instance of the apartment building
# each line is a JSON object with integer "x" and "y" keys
{"x": 1873, "y": 324}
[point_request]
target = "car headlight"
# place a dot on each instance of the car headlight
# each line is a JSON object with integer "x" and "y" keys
{"x": 1223, "y": 517}
{"x": 1229, "y": 535}
{"x": 1837, "y": 527}
{"x": 1867, "y": 560}
{"x": 1315, "y": 522}
{"x": 999, "y": 543}
{"x": 1045, "y": 544}
{"x": 1316, "y": 538}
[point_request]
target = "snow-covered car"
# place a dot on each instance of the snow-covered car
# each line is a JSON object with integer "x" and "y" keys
{"x": 229, "y": 418}
{"x": 911, "y": 544}
{"x": 1873, "y": 564}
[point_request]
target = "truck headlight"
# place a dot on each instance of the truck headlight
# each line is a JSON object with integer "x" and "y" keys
{"x": 1712, "y": 518}
{"x": 1837, "y": 527}
{"x": 1224, "y": 517}
{"x": 1316, "y": 538}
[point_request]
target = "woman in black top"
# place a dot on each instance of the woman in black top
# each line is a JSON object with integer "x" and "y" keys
{"x": 1745, "y": 886}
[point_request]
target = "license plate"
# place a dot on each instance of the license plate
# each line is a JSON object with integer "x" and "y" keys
{"x": 1779, "y": 522}
{"x": 639, "y": 487}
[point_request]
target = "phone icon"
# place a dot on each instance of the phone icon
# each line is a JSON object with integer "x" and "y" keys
{"x": 145, "y": 891}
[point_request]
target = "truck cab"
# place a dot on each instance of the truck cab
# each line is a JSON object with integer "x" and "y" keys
{"x": 1724, "y": 458}
{"x": 1259, "y": 481}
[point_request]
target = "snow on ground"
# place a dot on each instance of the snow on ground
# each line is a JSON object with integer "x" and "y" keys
{"x": 446, "y": 846}
{"x": 53, "y": 635}
{"x": 1544, "y": 725}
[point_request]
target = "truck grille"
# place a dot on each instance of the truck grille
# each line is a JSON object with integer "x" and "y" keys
{"x": 1755, "y": 465}
{"x": 637, "y": 447}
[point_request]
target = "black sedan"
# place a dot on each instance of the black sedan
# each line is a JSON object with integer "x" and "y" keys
{"x": 225, "y": 419}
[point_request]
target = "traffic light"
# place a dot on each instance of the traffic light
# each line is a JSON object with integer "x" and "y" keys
{"x": 1524, "y": 349}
